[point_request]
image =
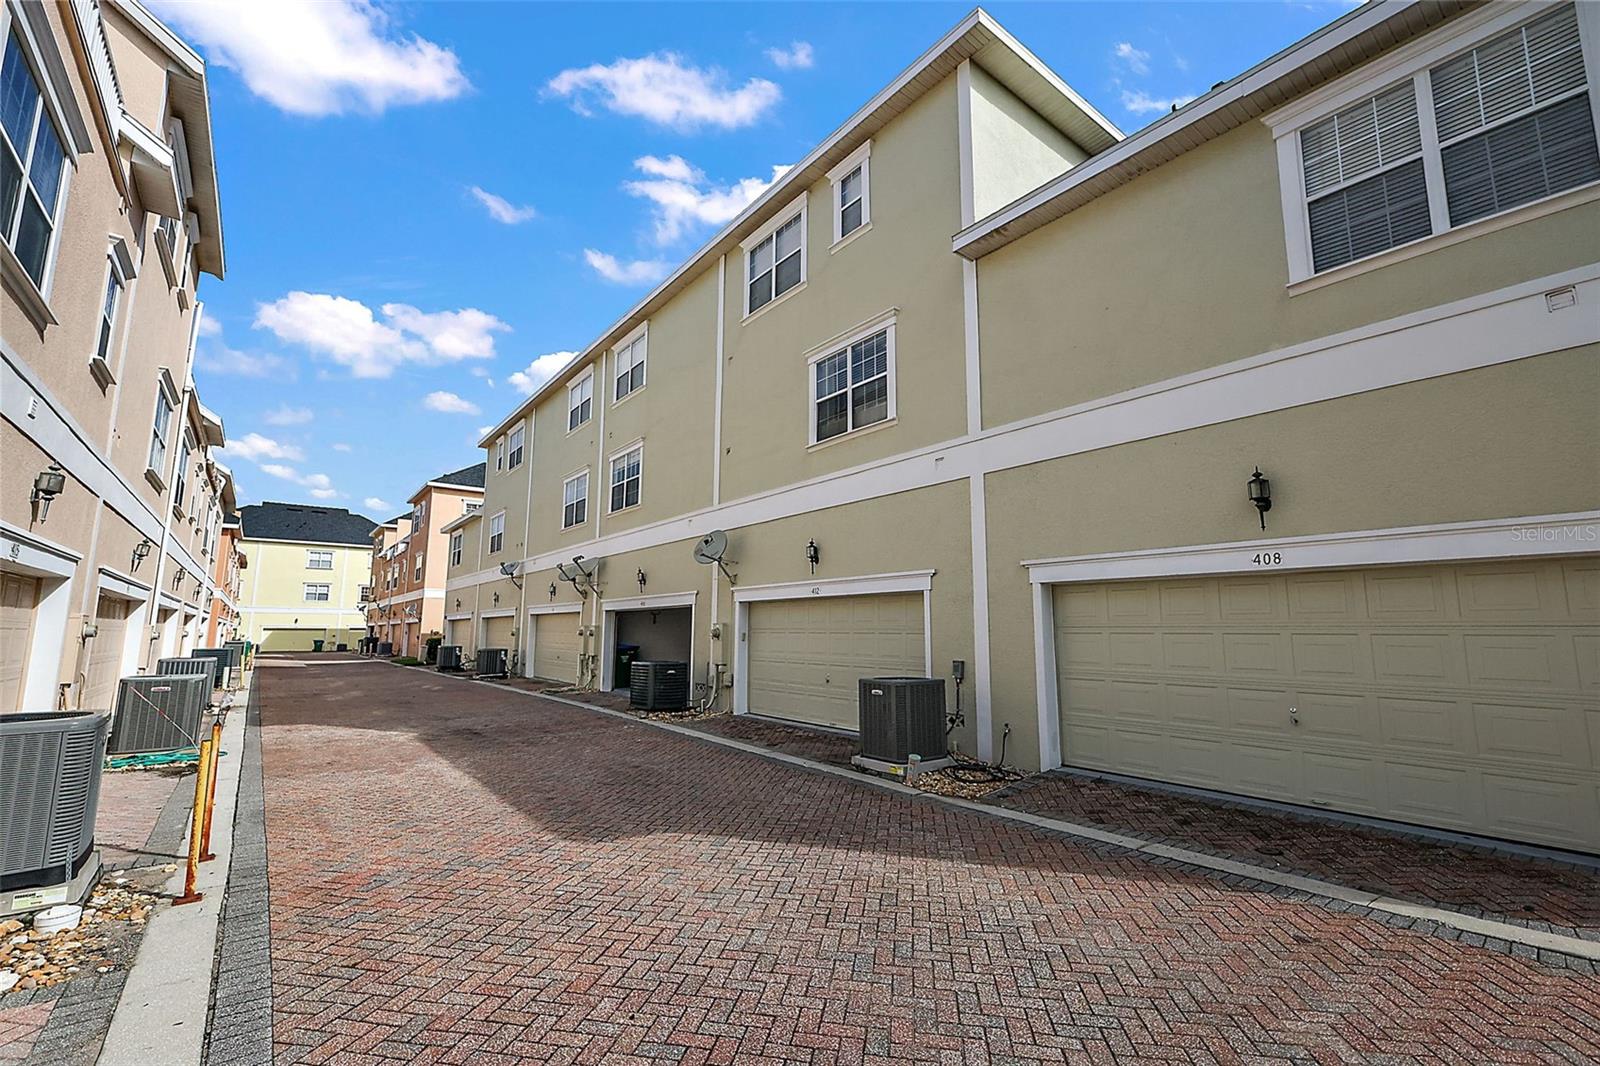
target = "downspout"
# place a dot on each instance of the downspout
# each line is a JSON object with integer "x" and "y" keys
{"x": 527, "y": 535}
{"x": 715, "y": 661}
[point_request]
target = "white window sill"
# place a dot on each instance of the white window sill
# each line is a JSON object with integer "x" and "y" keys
{"x": 770, "y": 304}
{"x": 847, "y": 238}
{"x": 579, "y": 525}
{"x": 580, "y": 425}
{"x": 623, "y": 510}
{"x": 155, "y": 480}
{"x": 101, "y": 372}
{"x": 23, "y": 288}
{"x": 618, "y": 403}
{"x": 1550, "y": 205}
{"x": 854, "y": 434}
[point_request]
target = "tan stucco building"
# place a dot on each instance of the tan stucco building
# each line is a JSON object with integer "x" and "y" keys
{"x": 982, "y": 380}
{"x": 111, "y": 503}
{"x": 406, "y": 604}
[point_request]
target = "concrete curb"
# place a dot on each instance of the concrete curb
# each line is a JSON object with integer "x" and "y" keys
{"x": 161, "y": 1017}
{"x": 1386, "y": 907}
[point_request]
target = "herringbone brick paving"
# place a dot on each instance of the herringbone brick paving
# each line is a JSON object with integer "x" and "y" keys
{"x": 462, "y": 874}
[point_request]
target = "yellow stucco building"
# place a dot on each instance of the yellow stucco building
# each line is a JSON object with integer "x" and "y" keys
{"x": 306, "y": 575}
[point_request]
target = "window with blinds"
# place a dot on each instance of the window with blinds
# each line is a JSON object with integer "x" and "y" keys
{"x": 1514, "y": 119}
{"x": 1508, "y": 122}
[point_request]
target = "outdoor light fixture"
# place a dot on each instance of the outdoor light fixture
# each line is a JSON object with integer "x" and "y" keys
{"x": 46, "y": 487}
{"x": 141, "y": 552}
{"x": 1260, "y": 490}
{"x": 497, "y": 599}
{"x": 177, "y": 579}
{"x": 813, "y": 554}
{"x": 458, "y": 605}
{"x": 552, "y": 591}
{"x": 641, "y": 581}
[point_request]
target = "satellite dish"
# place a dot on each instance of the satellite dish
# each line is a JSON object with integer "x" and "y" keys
{"x": 566, "y": 575}
{"x": 711, "y": 548}
{"x": 508, "y": 569}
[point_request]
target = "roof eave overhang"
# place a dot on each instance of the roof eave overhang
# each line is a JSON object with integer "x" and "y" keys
{"x": 1334, "y": 50}
{"x": 976, "y": 36}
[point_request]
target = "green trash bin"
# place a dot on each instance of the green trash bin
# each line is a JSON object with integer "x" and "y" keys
{"x": 316, "y": 645}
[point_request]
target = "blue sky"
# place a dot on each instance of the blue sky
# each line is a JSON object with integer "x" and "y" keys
{"x": 426, "y": 204}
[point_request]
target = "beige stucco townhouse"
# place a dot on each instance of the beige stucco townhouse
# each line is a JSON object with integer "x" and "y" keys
{"x": 409, "y": 561}
{"x": 983, "y": 380}
{"x": 111, "y": 501}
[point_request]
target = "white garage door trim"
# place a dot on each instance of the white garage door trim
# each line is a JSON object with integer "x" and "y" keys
{"x": 868, "y": 585}
{"x": 54, "y": 564}
{"x": 533, "y": 628}
{"x": 1529, "y": 536}
{"x": 608, "y": 627}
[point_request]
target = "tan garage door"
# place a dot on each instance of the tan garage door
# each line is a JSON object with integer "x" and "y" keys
{"x": 459, "y": 633}
{"x": 497, "y": 632}
{"x": 19, "y": 595}
{"x": 105, "y": 652}
{"x": 1465, "y": 697}
{"x": 289, "y": 639}
{"x": 555, "y": 646}
{"x": 806, "y": 655}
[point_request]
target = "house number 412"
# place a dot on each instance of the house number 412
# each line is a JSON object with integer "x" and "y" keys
{"x": 1267, "y": 558}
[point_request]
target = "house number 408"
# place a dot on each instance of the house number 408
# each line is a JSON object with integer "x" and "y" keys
{"x": 1267, "y": 558}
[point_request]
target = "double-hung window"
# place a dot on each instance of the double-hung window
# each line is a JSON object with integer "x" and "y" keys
{"x": 630, "y": 367}
{"x": 626, "y": 476}
{"x": 775, "y": 257}
{"x": 317, "y": 559}
{"x": 497, "y": 532}
{"x": 580, "y": 401}
{"x": 32, "y": 163}
{"x": 514, "y": 448}
{"x": 500, "y": 454}
{"x": 852, "y": 383}
{"x": 416, "y": 569}
{"x": 108, "y": 313}
{"x": 852, "y": 192}
{"x": 157, "y": 461}
{"x": 455, "y": 549}
{"x": 1505, "y": 120}
{"x": 181, "y": 476}
{"x": 317, "y": 592}
{"x": 575, "y": 500}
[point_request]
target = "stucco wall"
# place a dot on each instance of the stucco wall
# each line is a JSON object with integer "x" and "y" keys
{"x": 1014, "y": 150}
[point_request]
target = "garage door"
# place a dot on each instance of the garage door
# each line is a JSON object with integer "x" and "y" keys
{"x": 459, "y": 633}
{"x": 289, "y": 639}
{"x": 18, "y": 597}
{"x": 1465, "y": 697}
{"x": 806, "y": 655}
{"x": 497, "y": 632}
{"x": 105, "y": 652}
{"x": 555, "y": 646}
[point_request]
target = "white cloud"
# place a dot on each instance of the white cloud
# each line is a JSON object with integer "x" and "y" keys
{"x": 664, "y": 89}
{"x": 320, "y": 57}
{"x": 222, "y": 359}
{"x": 449, "y": 403}
{"x": 625, "y": 272}
{"x": 208, "y": 327}
{"x": 372, "y": 503}
{"x": 500, "y": 209}
{"x": 255, "y": 447}
{"x": 798, "y": 56}
{"x": 481, "y": 431}
{"x": 682, "y": 197}
{"x": 350, "y": 334}
{"x": 1142, "y": 103}
{"x": 319, "y": 485}
{"x": 538, "y": 372}
{"x": 341, "y": 447}
{"x": 324, "y": 494}
{"x": 483, "y": 372}
{"x": 1136, "y": 59}
{"x": 289, "y": 416}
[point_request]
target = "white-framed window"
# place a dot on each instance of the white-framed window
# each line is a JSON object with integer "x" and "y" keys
{"x": 1492, "y": 114}
{"x": 416, "y": 569}
{"x": 365, "y": 594}
{"x": 627, "y": 475}
{"x": 775, "y": 257}
{"x": 108, "y": 311}
{"x": 514, "y": 441}
{"x": 852, "y": 382}
{"x": 500, "y": 454}
{"x": 319, "y": 559}
{"x": 851, "y": 181}
{"x": 575, "y": 500}
{"x": 33, "y": 168}
{"x": 455, "y": 549}
{"x": 317, "y": 592}
{"x": 158, "y": 432}
{"x": 181, "y": 477}
{"x": 630, "y": 365}
{"x": 580, "y": 401}
{"x": 497, "y": 532}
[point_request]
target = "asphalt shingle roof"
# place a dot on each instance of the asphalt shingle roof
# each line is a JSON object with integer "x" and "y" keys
{"x": 305, "y": 522}
{"x": 471, "y": 476}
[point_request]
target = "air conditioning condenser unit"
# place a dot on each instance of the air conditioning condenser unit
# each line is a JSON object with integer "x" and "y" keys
{"x": 492, "y": 662}
{"x": 659, "y": 685}
{"x": 49, "y": 793}
{"x": 902, "y": 725}
{"x": 158, "y": 712}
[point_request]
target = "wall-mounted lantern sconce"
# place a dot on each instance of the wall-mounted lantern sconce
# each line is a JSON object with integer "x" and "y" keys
{"x": 141, "y": 552}
{"x": 552, "y": 592}
{"x": 177, "y": 579}
{"x": 1260, "y": 490}
{"x": 641, "y": 582}
{"x": 813, "y": 554}
{"x": 497, "y": 599}
{"x": 458, "y": 605}
{"x": 46, "y": 487}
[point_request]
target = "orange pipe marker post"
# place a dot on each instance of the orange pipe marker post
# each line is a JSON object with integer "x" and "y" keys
{"x": 196, "y": 825}
{"x": 211, "y": 790}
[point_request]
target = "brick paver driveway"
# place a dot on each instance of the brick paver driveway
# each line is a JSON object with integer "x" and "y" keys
{"x": 461, "y": 873}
